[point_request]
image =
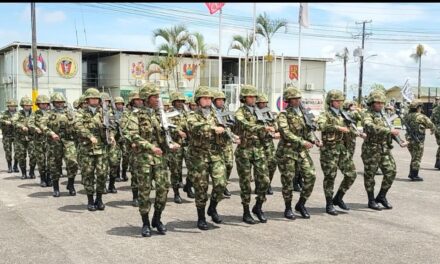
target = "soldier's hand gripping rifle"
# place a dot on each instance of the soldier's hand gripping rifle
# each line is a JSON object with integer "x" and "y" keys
{"x": 166, "y": 126}
{"x": 408, "y": 128}
{"x": 262, "y": 118}
{"x": 308, "y": 119}
{"x": 397, "y": 138}
{"x": 350, "y": 122}
{"x": 220, "y": 116}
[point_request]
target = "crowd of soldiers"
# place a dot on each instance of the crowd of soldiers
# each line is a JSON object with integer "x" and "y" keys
{"x": 103, "y": 138}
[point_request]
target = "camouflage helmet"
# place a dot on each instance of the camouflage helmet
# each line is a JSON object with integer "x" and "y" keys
{"x": 42, "y": 99}
{"x": 105, "y": 96}
{"x": 76, "y": 104}
{"x": 175, "y": 96}
{"x": 334, "y": 95}
{"x": 26, "y": 100}
{"x": 291, "y": 93}
{"x": 82, "y": 99}
{"x": 11, "y": 102}
{"x": 415, "y": 104}
{"x": 133, "y": 95}
{"x": 262, "y": 98}
{"x": 376, "y": 96}
{"x": 218, "y": 95}
{"x": 248, "y": 90}
{"x": 166, "y": 102}
{"x": 57, "y": 97}
{"x": 202, "y": 91}
{"x": 148, "y": 90}
{"x": 348, "y": 103}
{"x": 191, "y": 100}
{"x": 119, "y": 100}
{"x": 92, "y": 93}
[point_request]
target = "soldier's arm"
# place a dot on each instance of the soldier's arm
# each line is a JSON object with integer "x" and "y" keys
{"x": 17, "y": 121}
{"x": 246, "y": 125}
{"x": 285, "y": 132}
{"x": 425, "y": 121}
{"x": 324, "y": 123}
{"x": 32, "y": 123}
{"x": 371, "y": 127}
{"x": 198, "y": 127}
{"x": 81, "y": 129}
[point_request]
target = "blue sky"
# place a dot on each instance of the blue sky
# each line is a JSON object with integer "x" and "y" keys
{"x": 397, "y": 29}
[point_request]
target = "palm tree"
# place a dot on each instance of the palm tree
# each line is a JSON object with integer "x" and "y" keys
{"x": 344, "y": 56}
{"x": 417, "y": 56}
{"x": 243, "y": 44}
{"x": 175, "y": 38}
{"x": 165, "y": 64}
{"x": 267, "y": 28}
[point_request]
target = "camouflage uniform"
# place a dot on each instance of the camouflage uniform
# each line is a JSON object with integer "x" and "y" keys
{"x": 292, "y": 154}
{"x": 350, "y": 138}
{"x": 334, "y": 153}
{"x": 89, "y": 127}
{"x": 40, "y": 141}
{"x": 205, "y": 151}
{"x": 417, "y": 123}
{"x": 250, "y": 152}
{"x": 435, "y": 118}
{"x": 24, "y": 145}
{"x": 124, "y": 160}
{"x": 7, "y": 128}
{"x": 376, "y": 152}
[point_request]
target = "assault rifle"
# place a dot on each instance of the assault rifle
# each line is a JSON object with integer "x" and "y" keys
{"x": 308, "y": 119}
{"x": 397, "y": 138}
{"x": 230, "y": 121}
{"x": 261, "y": 117}
{"x": 350, "y": 122}
{"x": 106, "y": 121}
{"x": 166, "y": 126}
{"x": 408, "y": 128}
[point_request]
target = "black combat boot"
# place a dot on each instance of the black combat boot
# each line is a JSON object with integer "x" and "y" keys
{"x": 247, "y": 217}
{"x": 339, "y": 202}
{"x": 23, "y": 171}
{"x": 90, "y": 203}
{"x": 124, "y": 174}
{"x": 146, "y": 229}
{"x": 329, "y": 208}
{"x": 437, "y": 164}
{"x": 177, "y": 198}
{"x": 71, "y": 186}
{"x": 256, "y": 187}
{"x": 201, "y": 222}
{"x": 227, "y": 193}
{"x": 188, "y": 189}
{"x": 300, "y": 207}
{"x": 414, "y": 175}
{"x": 259, "y": 212}
{"x": 155, "y": 222}
{"x": 381, "y": 198}
{"x": 288, "y": 211}
{"x": 56, "y": 189}
{"x": 98, "y": 202}
{"x": 118, "y": 175}
{"x": 135, "y": 201}
{"x": 43, "y": 182}
{"x": 269, "y": 190}
{"x": 15, "y": 168}
{"x": 212, "y": 212}
{"x": 48, "y": 180}
{"x": 9, "y": 166}
{"x": 32, "y": 172}
{"x": 111, "y": 185}
{"x": 372, "y": 202}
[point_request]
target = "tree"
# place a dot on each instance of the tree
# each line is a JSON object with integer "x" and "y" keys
{"x": 378, "y": 87}
{"x": 176, "y": 38}
{"x": 166, "y": 65}
{"x": 417, "y": 56}
{"x": 244, "y": 45}
{"x": 344, "y": 56}
{"x": 267, "y": 28}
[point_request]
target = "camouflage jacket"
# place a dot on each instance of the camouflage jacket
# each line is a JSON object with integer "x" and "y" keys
{"x": 329, "y": 123}
{"x": 251, "y": 133}
{"x": 435, "y": 118}
{"x": 377, "y": 130}
{"x": 417, "y": 123}
{"x": 180, "y": 122}
{"x": 35, "y": 123}
{"x": 60, "y": 122}
{"x": 6, "y": 124}
{"x": 20, "y": 120}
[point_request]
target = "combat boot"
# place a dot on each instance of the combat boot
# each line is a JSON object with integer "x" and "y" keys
{"x": 414, "y": 175}
{"x": 118, "y": 175}
{"x": 15, "y": 168}
{"x": 201, "y": 222}
{"x": 288, "y": 211}
{"x": 212, "y": 212}
{"x": 381, "y": 198}
{"x": 48, "y": 180}
{"x": 98, "y": 202}
{"x": 155, "y": 222}
{"x": 124, "y": 174}
{"x": 146, "y": 229}
{"x": 256, "y": 187}
{"x": 23, "y": 171}
{"x": 177, "y": 198}
{"x": 32, "y": 172}
{"x": 56, "y": 189}
{"x": 269, "y": 190}
{"x": 259, "y": 212}
{"x": 339, "y": 202}
{"x": 300, "y": 207}
{"x": 71, "y": 186}
{"x": 43, "y": 182}
{"x": 329, "y": 208}
{"x": 135, "y": 201}
{"x": 247, "y": 217}
{"x": 9, "y": 166}
{"x": 437, "y": 164}
{"x": 111, "y": 185}
{"x": 90, "y": 203}
{"x": 188, "y": 189}
{"x": 372, "y": 202}
{"x": 227, "y": 193}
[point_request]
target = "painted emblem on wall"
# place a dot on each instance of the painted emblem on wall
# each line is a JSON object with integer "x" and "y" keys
{"x": 28, "y": 66}
{"x": 67, "y": 67}
{"x": 138, "y": 70}
{"x": 293, "y": 72}
{"x": 189, "y": 70}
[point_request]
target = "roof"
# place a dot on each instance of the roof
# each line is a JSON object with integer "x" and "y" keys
{"x": 90, "y": 49}
{"x": 424, "y": 90}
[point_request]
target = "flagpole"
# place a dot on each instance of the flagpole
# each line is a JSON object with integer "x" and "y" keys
{"x": 220, "y": 50}
{"x": 237, "y": 92}
{"x": 253, "y": 46}
{"x": 299, "y": 57}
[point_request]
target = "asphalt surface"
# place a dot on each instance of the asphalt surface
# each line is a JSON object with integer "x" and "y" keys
{"x": 38, "y": 228}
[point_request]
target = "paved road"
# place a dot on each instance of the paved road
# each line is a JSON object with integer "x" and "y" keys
{"x": 37, "y": 228}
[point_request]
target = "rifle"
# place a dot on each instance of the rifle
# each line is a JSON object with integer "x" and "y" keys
{"x": 408, "y": 128}
{"x": 106, "y": 121}
{"x": 225, "y": 124}
{"x": 308, "y": 119}
{"x": 349, "y": 121}
{"x": 399, "y": 141}
{"x": 116, "y": 113}
{"x": 165, "y": 124}
{"x": 262, "y": 118}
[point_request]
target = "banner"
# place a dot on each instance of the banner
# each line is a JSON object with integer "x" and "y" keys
{"x": 303, "y": 18}
{"x": 407, "y": 92}
{"x": 214, "y": 7}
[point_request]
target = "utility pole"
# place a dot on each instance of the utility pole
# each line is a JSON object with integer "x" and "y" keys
{"x": 34, "y": 57}
{"x": 361, "y": 68}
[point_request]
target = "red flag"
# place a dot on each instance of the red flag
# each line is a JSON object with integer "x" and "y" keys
{"x": 214, "y": 7}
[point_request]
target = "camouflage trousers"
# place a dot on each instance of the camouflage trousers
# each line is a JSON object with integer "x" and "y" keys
{"x": 175, "y": 163}
{"x": 269, "y": 151}
{"x": 125, "y": 156}
{"x": 114, "y": 155}
{"x": 332, "y": 158}
{"x": 134, "y": 170}
{"x": 288, "y": 165}
{"x": 437, "y": 139}
{"x": 59, "y": 150}
{"x": 203, "y": 165}
{"x": 147, "y": 173}
{"x": 228, "y": 157}
{"x": 8, "y": 141}
{"x": 351, "y": 147}
{"x": 187, "y": 162}
{"x": 245, "y": 158}
{"x": 374, "y": 157}
{"x": 41, "y": 155}
{"x": 93, "y": 169}
{"x": 24, "y": 149}
{"x": 416, "y": 151}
